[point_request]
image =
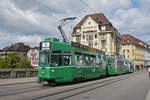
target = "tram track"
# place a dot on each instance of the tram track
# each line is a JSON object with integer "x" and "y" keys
{"x": 23, "y": 90}
{"x": 63, "y": 89}
{"x": 87, "y": 90}
{"x": 16, "y": 83}
{"x": 32, "y": 89}
{"x": 17, "y": 89}
{"x": 96, "y": 85}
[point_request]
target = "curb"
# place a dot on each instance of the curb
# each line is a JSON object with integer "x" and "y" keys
{"x": 17, "y": 83}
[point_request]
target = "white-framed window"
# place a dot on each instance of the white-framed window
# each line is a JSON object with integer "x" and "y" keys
{"x": 103, "y": 28}
{"x": 78, "y": 30}
{"x": 95, "y": 36}
{"x": 95, "y": 43}
{"x": 83, "y": 37}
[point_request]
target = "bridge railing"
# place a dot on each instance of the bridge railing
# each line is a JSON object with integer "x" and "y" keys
{"x": 17, "y": 73}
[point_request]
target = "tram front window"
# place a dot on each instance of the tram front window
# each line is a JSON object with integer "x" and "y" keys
{"x": 44, "y": 59}
{"x": 56, "y": 58}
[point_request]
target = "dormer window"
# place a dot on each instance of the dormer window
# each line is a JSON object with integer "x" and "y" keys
{"x": 89, "y": 22}
{"x": 78, "y": 31}
{"x": 103, "y": 28}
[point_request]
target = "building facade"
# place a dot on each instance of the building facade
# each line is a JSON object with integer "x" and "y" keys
{"x": 96, "y": 31}
{"x": 19, "y": 48}
{"x": 132, "y": 49}
{"x": 33, "y": 56}
{"x": 147, "y": 56}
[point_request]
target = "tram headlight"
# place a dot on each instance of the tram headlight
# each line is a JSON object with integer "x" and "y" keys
{"x": 46, "y": 45}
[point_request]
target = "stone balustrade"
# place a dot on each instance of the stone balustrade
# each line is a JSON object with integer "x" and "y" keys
{"x": 17, "y": 73}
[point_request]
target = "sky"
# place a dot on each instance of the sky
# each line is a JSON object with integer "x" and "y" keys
{"x": 30, "y": 21}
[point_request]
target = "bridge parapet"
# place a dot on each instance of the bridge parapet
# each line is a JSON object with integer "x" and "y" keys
{"x": 17, "y": 73}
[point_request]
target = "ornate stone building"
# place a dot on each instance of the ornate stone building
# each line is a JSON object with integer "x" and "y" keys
{"x": 96, "y": 30}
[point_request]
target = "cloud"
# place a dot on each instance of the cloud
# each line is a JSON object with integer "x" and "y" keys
{"x": 7, "y": 39}
{"x": 107, "y": 6}
{"x": 16, "y": 20}
{"x": 133, "y": 21}
{"x": 30, "y": 20}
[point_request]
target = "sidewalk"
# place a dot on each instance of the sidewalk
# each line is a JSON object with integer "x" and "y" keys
{"x": 17, "y": 81}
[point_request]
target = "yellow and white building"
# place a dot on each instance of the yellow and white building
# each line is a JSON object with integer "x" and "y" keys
{"x": 96, "y": 31}
{"x": 132, "y": 49}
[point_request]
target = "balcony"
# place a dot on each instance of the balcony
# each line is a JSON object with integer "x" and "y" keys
{"x": 103, "y": 37}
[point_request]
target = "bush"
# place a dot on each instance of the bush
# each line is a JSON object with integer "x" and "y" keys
{"x": 13, "y": 61}
{"x": 24, "y": 63}
{"x": 3, "y": 63}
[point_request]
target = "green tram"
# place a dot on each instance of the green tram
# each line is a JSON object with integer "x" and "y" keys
{"x": 117, "y": 66}
{"x": 65, "y": 62}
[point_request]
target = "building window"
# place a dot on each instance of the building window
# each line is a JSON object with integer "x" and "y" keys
{"x": 95, "y": 44}
{"x": 83, "y": 37}
{"x": 91, "y": 37}
{"x": 133, "y": 52}
{"x": 95, "y": 35}
{"x": 128, "y": 56}
{"x": 78, "y": 30}
{"x": 87, "y": 37}
{"x": 89, "y": 22}
{"x": 77, "y": 39}
{"x": 90, "y": 44}
{"x": 103, "y": 43}
{"x": 103, "y": 28}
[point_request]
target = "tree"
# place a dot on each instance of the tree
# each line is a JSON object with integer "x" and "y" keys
{"x": 3, "y": 63}
{"x": 24, "y": 63}
{"x": 12, "y": 60}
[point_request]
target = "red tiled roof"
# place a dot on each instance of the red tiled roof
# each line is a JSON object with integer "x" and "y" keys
{"x": 129, "y": 39}
{"x": 99, "y": 18}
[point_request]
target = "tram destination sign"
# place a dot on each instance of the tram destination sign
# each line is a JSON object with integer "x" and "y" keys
{"x": 45, "y": 45}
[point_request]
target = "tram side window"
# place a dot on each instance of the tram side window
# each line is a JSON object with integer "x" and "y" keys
{"x": 85, "y": 60}
{"x": 120, "y": 63}
{"x": 67, "y": 58}
{"x": 93, "y": 60}
{"x": 108, "y": 63}
{"x": 56, "y": 58}
{"x": 112, "y": 63}
{"x": 78, "y": 59}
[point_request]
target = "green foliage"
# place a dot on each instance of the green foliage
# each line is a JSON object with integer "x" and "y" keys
{"x": 13, "y": 61}
{"x": 3, "y": 63}
{"x": 24, "y": 63}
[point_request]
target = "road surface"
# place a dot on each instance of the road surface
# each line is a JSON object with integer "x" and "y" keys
{"x": 134, "y": 86}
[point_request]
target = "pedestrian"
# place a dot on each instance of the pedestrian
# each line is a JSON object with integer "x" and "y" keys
{"x": 149, "y": 72}
{"x": 142, "y": 67}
